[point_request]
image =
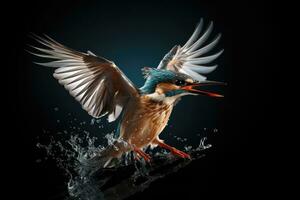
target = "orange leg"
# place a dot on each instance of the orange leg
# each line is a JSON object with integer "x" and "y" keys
{"x": 173, "y": 150}
{"x": 139, "y": 152}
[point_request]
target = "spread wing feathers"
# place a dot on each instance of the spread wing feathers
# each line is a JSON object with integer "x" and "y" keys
{"x": 189, "y": 59}
{"x": 97, "y": 83}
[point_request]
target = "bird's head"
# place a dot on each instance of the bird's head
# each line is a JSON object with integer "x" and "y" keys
{"x": 162, "y": 85}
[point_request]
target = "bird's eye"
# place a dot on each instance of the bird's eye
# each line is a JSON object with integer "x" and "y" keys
{"x": 180, "y": 82}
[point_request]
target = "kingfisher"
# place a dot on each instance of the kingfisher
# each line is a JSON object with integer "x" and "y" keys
{"x": 103, "y": 89}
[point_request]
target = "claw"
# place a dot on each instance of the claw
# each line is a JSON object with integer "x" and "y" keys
{"x": 142, "y": 154}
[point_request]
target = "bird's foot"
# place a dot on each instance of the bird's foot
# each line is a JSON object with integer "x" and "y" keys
{"x": 179, "y": 153}
{"x": 173, "y": 150}
{"x": 142, "y": 154}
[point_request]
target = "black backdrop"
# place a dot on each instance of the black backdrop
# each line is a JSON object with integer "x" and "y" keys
{"x": 123, "y": 32}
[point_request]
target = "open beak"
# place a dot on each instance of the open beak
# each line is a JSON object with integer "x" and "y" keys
{"x": 191, "y": 88}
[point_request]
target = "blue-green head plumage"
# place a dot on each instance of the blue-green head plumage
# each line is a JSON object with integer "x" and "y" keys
{"x": 155, "y": 76}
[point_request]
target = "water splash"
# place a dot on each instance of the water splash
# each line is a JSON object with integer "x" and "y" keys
{"x": 73, "y": 152}
{"x": 202, "y": 145}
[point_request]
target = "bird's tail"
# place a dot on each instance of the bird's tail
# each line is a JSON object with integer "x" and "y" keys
{"x": 105, "y": 159}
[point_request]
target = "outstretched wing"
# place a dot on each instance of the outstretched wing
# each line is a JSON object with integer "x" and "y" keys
{"x": 97, "y": 83}
{"x": 190, "y": 59}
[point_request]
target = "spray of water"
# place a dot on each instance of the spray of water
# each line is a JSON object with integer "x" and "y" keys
{"x": 89, "y": 181}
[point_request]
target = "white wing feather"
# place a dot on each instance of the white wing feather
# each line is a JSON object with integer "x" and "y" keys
{"x": 189, "y": 58}
{"x": 97, "y": 83}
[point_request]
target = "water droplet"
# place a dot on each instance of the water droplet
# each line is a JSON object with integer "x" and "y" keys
{"x": 92, "y": 121}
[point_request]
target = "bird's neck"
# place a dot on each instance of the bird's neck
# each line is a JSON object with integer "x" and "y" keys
{"x": 162, "y": 98}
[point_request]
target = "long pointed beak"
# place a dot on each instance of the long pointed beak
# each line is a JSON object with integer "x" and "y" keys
{"x": 191, "y": 88}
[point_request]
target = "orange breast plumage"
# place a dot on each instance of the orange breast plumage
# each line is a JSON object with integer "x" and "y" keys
{"x": 142, "y": 125}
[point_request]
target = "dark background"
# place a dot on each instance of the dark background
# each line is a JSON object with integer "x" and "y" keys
{"x": 137, "y": 34}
